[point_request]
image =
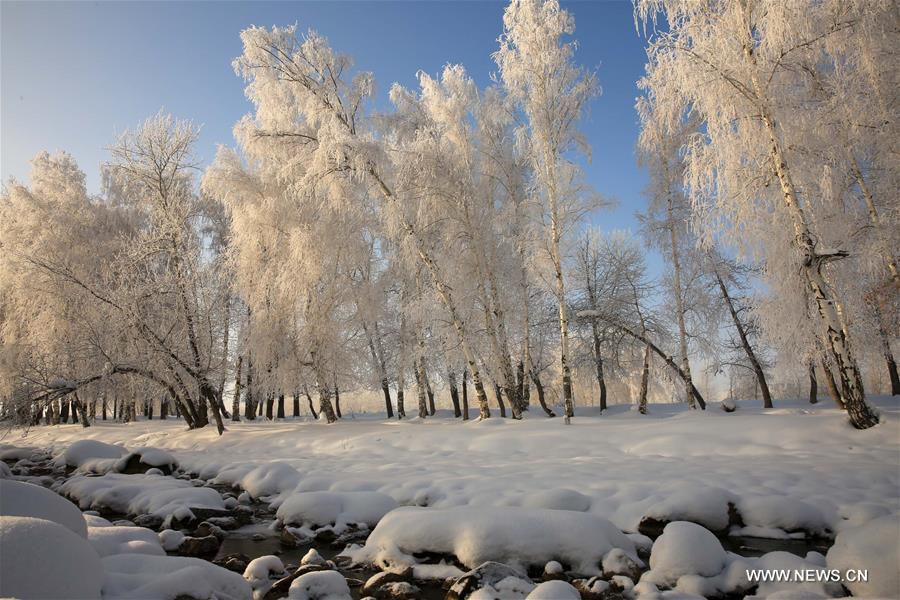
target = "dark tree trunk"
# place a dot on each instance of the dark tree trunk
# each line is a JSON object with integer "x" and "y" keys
{"x": 178, "y": 410}
{"x": 296, "y": 407}
{"x": 813, "y": 384}
{"x": 63, "y": 411}
{"x": 428, "y": 390}
{"x": 280, "y": 413}
{"x": 454, "y": 394}
{"x": 73, "y": 411}
{"x": 103, "y": 408}
{"x": 420, "y": 389}
{"x": 401, "y": 408}
{"x": 536, "y": 379}
{"x": 149, "y": 410}
{"x": 164, "y": 408}
{"x": 499, "y": 393}
{"x": 745, "y": 342}
{"x": 270, "y": 405}
{"x": 523, "y": 389}
{"x": 82, "y": 411}
{"x": 598, "y": 363}
{"x": 337, "y": 402}
{"x": 312, "y": 409}
{"x": 386, "y": 390}
{"x": 325, "y": 406}
{"x": 465, "y": 394}
{"x": 249, "y": 397}
{"x": 236, "y": 399}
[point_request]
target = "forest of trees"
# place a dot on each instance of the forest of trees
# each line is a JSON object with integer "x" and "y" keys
{"x": 444, "y": 247}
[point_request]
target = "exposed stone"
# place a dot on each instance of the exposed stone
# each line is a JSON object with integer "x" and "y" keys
{"x": 398, "y": 590}
{"x": 227, "y": 523}
{"x": 153, "y": 522}
{"x": 487, "y": 573}
{"x": 652, "y": 527}
{"x": 234, "y": 562}
{"x": 553, "y": 571}
{"x": 379, "y": 579}
{"x": 199, "y": 546}
{"x": 280, "y": 588}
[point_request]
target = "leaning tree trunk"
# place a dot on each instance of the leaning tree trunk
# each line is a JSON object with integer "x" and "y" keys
{"x": 539, "y": 387}
{"x": 428, "y": 391}
{"x": 745, "y": 343}
{"x": 679, "y": 308}
{"x": 499, "y": 393}
{"x": 645, "y": 380}
{"x": 309, "y": 401}
{"x": 832, "y": 385}
{"x": 853, "y": 396}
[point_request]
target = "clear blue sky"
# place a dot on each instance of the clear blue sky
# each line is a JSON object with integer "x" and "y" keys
{"x": 74, "y": 74}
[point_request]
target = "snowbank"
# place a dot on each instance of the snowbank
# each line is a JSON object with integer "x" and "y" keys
{"x": 787, "y": 514}
{"x": 139, "y": 577}
{"x": 558, "y": 499}
{"x": 140, "y": 494}
{"x": 19, "y": 499}
{"x": 108, "y": 541}
{"x": 516, "y": 536}
{"x": 43, "y": 559}
{"x": 317, "y": 509}
{"x": 874, "y": 546}
{"x": 83, "y": 451}
{"x": 269, "y": 479}
{"x": 320, "y": 585}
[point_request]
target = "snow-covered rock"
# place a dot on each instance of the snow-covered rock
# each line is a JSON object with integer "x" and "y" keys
{"x": 316, "y": 509}
{"x": 312, "y": 558}
{"x": 145, "y": 460}
{"x": 508, "y": 588}
{"x": 5, "y": 471}
{"x": 82, "y": 451}
{"x": 783, "y": 513}
{"x": 140, "y": 577}
{"x": 559, "y": 499}
{"x": 262, "y": 567}
{"x": 320, "y": 585}
{"x": 108, "y": 541}
{"x": 705, "y": 505}
{"x": 554, "y": 590}
{"x": 515, "y": 536}
{"x": 141, "y": 494}
{"x": 43, "y": 559}
{"x": 685, "y": 548}
{"x": 270, "y": 478}
{"x": 20, "y": 499}
{"x": 170, "y": 539}
{"x": 875, "y": 547}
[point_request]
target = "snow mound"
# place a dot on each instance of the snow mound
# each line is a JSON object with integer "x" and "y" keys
{"x": 782, "y": 512}
{"x": 560, "y": 499}
{"x": 508, "y": 588}
{"x": 684, "y": 548}
{"x": 317, "y": 509}
{"x": 705, "y": 505}
{"x": 874, "y": 546}
{"x": 141, "y": 494}
{"x": 260, "y": 568}
{"x": 10, "y": 452}
{"x": 19, "y": 499}
{"x": 320, "y": 585}
{"x": 170, "y": 539}
{"x": 5, "y": 471}
{"x": 554, "y": 590}
{"x": 515, "y": 536}
{"x": 43, "y": 559}
{"x": 270, "y": 478}
{"x": 83, "y": 451}
{"x": 108, "y": 541}
{"x": 140, "y": 577}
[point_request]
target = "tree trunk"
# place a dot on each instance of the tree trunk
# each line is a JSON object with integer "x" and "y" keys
{"x": 465, "y": 395}
{"x": 236, "y": 399}
{"x": 679, "y": 308}
{"x": 420, "y": 389}
{"x": 270, "y": 405}
{"x": 401, "y": 409}
{"x": 813, "y": 384}
{"x": 379, "y": 362}
{"x": 886, "y": 351}
{"x": 645, "y": 379}
{"x": 164, "y": 408}
{"x": 280, "y": 413}
{"x": 296, "y": 407}
{"x": 454, "y": 394}
{"x": 745, "y": 343}
{"x": 309, "y": 400}
{"x": 536, "y": 379}
{"x": 499, "y": 393}
{"x": 103, "y": 408}
{"x": 862, "y": 416}
{"x": 386, "y": 390}
{"x": 887, "y": 253}
{"x": 598, "y": 362}
{"x": 78, "y": 406}
{"x": 249, "y": 407}
{"x": 832, "y": 385}
{"x": 428, "y": 391}
{"x": 73, "y": 411}
{"x": 337, "y": 402}
{"x": 149, "y": 410}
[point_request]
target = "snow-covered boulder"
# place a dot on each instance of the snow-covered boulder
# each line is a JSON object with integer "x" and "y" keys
{"x": 20, "y": 499}
{"x": 43, "y": 559}
{"x": 520, "y": 537}
{"x": 141, "y": 494}
{"x": 270, "y": 478}
{"x": 705, "y": 505}
{"x": 108, "y": 541}
{"x": 685, "y": 548}
{"x": 783, "y": 513}
{"x": 320, "y": 585}
{"x": 143, "y": 460}
{"x": 875, "y": 547}
{"x": 16, "y": 453}
{"x": 84, "y": 451}
{"x": 170, "y": 539}
{"x": 138, "y": 577}
{"x": 558, "y": 499}
{"x": 554, "y": 590}
{"x": 317, "y": 509}
{"x": 5, "y": 471}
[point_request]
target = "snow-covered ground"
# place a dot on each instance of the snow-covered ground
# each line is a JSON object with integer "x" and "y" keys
{"x": 796, "y": 468}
